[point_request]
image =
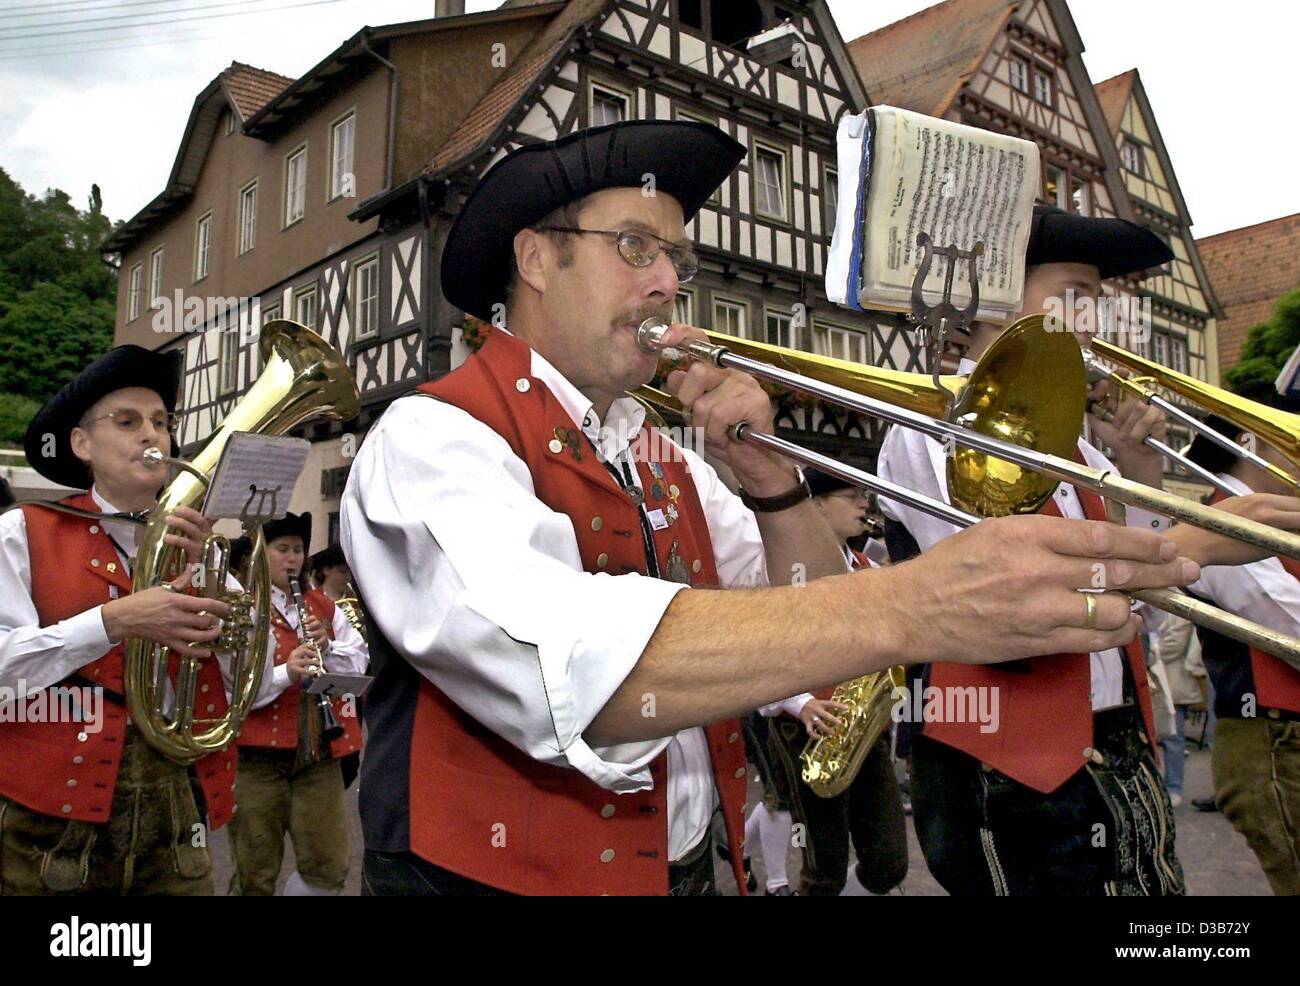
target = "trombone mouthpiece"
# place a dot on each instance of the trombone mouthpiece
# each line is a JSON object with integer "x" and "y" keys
{"x": 153, "y": 456}
{"x": 649, "y": 334}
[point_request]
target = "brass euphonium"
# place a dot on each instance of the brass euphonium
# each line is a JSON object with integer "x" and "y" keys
{"x": 303, "y": 377}
{"x": 350, "y": 603}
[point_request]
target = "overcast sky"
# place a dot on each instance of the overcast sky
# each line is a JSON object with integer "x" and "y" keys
{"x": 109, "y": 105}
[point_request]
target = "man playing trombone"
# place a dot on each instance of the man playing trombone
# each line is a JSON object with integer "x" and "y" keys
{"x": 1256, "y": 760}
{"x": 88, "y": 806}
{"x": 551, "y": 712}
{"x": 1062, "y": 796}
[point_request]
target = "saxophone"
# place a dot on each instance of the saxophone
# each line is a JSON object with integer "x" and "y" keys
{"x": 831, "y": 762}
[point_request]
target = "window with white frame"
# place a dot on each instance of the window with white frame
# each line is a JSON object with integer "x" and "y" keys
{"x": 769, "y": 183}
{"x": 1020, "y": 74}
{"x": 684, "y": 307}
{"x": 365, "y": 298}
{"x": 1178, "y": 355}
{"x": 609, "y": 105}
{"x": 133, "y": 292}
{"x": 1043, "y": 86}
{"x": 247, "y": 217}
{"x": 831, "y": 195}
{"x": 304, "y": 306}
{"x": 1079, "y": 198}
{"x": 229, "y": 356}
{"x": 155, "y": 277}
{"x": 780, "y": 329}
{"x": 230, "y": 124}
{"x": 342, "y": 177}
{"x": 1130, "y": 156}
{"x": 202, "y": 245}
{"x": 1054, "y": 188}
{"x": 841, "y": 343}
{"x": 295, "y": 186}
{"x": 1160, "y": 349}
{"x": 731, "y": 317}
{"x": 270, "y": 313}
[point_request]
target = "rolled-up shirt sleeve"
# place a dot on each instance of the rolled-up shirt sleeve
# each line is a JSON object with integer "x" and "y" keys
{"x": 478, "y": 584}
{"x": 34, "y": 656}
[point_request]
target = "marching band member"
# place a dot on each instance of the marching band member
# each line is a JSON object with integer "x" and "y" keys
{"x": 89, "y": 806}
{"x": 538, "y": 722}
{"x": 329, "y": 572}
{"x": 1256, "y": 753}
{"x": 290, "y": 775}
{"x": 1058, "y": 792}
{"x": 870, "y": 812}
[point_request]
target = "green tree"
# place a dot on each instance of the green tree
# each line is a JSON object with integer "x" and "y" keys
{"x": 1268, "y": 346}
{"x": 57, "y": 297}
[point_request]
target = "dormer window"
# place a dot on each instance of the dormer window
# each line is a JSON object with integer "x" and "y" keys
{"x": 1020, "y": 74}
{"x": 1043, "y": 86}
{"x": 1130, "y": 156}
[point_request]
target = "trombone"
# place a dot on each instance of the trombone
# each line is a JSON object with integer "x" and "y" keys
{"x": 1279, "y": 428}
{"x": 988, "y": 475}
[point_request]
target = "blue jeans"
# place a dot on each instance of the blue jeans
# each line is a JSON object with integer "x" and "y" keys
{"x": 1175, "y": 750}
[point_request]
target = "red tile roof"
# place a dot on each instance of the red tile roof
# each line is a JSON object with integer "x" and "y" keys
{"x": 1113, "y": 95}
{"x": 1250, "y": 269}
{"x": 252, "y": 88}
{"x": 921, "y": 62}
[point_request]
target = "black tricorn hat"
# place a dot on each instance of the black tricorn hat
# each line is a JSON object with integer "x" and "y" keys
{"x": 687, "y": 161}
{"x": 1113, "y": 246}
{"x": 125, "y": 366}
{"x": 289, "y": 525}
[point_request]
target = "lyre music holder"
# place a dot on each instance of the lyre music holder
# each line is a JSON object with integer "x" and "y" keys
{"x": 938, "y": 320}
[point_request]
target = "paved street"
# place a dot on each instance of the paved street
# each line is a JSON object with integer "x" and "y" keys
{"x": 1215, "y": 858}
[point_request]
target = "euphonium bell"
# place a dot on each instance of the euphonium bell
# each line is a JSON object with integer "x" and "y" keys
{"x": 303, "y": 377}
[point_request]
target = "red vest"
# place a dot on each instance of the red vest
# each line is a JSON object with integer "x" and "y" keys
{"x": 276, "y": 725}
{"x": 479, "y": 806}
{"x": 1044, "y": 733}
{"x": 1277, "y": 684}
{"x": 61, "y": 768}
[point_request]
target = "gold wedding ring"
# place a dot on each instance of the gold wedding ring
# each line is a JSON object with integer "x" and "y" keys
{"x": 1090, "y": 619}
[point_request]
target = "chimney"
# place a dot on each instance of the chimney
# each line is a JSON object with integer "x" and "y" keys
{"x": 448, "y": 8}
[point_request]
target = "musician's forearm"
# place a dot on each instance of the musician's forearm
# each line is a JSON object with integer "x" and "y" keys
{"x": 720, "y": 654}
{"x": 799, "y": 545}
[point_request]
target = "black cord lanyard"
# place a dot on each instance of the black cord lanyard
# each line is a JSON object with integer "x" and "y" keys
{"x": 628, "y": 485}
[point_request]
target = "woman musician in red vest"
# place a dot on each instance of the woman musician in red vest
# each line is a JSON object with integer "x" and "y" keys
{"x": 1043, "y": 779}
{"x": 86, "y": 805}
{"x": 553, "y": 712}
{"x": 290, "y": 771}
{"x": 1256, "y": 759}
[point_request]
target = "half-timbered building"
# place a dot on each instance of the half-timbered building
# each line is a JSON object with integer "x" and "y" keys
{"x": 1016, "y": 67}
{"x": 327, "y": 198}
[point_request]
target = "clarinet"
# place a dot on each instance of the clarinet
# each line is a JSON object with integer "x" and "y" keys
{"x": 331, "y": 728}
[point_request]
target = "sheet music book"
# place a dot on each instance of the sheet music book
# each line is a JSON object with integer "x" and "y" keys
{"x": 903, "y": 173}
{"x": 336, "y": 684}
{"x": 255, "y": 477}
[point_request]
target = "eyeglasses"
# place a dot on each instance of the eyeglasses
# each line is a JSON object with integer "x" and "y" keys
{"x": 641, "y": 249}
{"x": 130, "y": 420}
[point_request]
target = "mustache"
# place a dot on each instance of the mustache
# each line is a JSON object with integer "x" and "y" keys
{"x": 640, "y": 313}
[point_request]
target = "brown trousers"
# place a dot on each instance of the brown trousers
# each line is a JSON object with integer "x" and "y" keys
{"x": 1256, "y": 764}
{"x": 154, "y": 842}
{"x": 275, "y": 797}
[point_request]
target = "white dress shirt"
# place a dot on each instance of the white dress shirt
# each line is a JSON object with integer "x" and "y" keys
{"x": 916, "y": 461}
{"x": 1262, "y": 591}
{"x": 39, "y": 657}
{"x": 480, "y": 586}
{"x": 347, "y": 652}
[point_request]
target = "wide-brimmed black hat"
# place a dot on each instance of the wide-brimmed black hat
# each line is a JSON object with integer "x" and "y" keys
{"x": 289, "y": 525}
{"x": 125, "y": 366}
{"x": 822, "y": 483}
{"x": 1113, "y": 246}
{"x": 333, "y": 555}
{"x": 687, "y": 161}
